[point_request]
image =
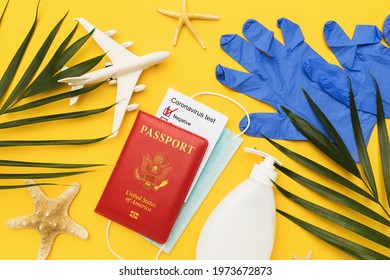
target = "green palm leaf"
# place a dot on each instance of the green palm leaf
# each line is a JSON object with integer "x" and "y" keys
{"x": 57, "y": 62}
{"x": 55, "y": 117}
{"x": 321, "y": 141}
{"x": 353, "y": 249}
{"x": 6, "y": 187}
{"x": 40, "y": 175}
{"x": 2, "y": 14}
{"x": 339, "y": 219}
{"x": 322, "y": 170}
{"x": 335, "y": 196}
{"x": 383, "y": 141}
{"x": 52, "y": 82}
{"x": 335, "y": 149}
{"x": 32, "y": 83}
{"x": 361, "y": 145}
{"x": 45, "y": 165}
{"x": 53, "y": 66}
{"x": 33, "y": 67}
{"x": 24, "y": 143}
{"x": 14, "y": 65}
{"x": 51, "y": 99}
{"x": 342, "y": 148}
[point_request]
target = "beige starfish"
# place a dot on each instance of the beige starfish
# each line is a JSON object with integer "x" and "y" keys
{"x": 185, "y": 19}
{"x": 50, "y": 217}
{"x": 305, "y": 258}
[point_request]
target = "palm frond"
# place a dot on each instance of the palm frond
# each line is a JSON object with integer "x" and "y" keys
{"x": 55, "y": 64}
{"x": 351, "y": 248}
{"x": 339, "y": 219}
{"x": 34, "y": 81}
{"x": 383, "y": 141}
{"x": 40, "y": 175}
{"x": 50, "y": 83}
{"x": 361, "y": 145}
{"x": 44, "y": 164}
{"x": 7, "y": 187}
{"x": 55, "y": 117}
{"x": 14, "y": 65}
{"x": 342, "y": 148}
{"x": 322, "y": 170}
{"x": 3, "y": 12}
{"x": 336, "y": 150}
{"x": 52, "y": 142}
{"x": 334, "y": 196}
{"x": 33, "y": 67}
{"x": 51, "y": 99}
{"x": 322, "y": 142}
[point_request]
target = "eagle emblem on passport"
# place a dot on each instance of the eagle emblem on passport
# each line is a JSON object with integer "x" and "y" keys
{"x": 152, "y": 172}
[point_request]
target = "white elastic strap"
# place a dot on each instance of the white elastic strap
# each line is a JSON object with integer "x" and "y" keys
{"x": 230, "y": 99}
{"x": 112, "y": 250}
{"x": 159, "y": 252}
{"x": 108, "y": 241}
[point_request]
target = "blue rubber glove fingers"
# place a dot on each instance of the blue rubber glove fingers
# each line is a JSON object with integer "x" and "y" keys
{"x": 386, "y": 29}
{"x": 248, "y": 56}
{"x": 340, "y": 44}
{"x": 262, "y": 38}
{"x": 367, "y": 35}
{"x": 292, "y": 33}
{"x": 375, "y": 59}
{"x": 272, "y": 125}
{"x": 249, "y": 84}
{"x": 360, "y": 57}
{"x": 293, "y": 38}
{"x": 331, "y": 78}
{"x": 276, "y": 76}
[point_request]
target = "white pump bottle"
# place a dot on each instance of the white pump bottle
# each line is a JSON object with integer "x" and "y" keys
{"x": 242, "y": 226}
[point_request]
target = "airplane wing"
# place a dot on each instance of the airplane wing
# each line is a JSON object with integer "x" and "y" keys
{"x": 116, "y": 52}
{"x": 125, "y": 88}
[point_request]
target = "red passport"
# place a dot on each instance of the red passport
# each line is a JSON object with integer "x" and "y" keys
{"x": 152, "y": 177}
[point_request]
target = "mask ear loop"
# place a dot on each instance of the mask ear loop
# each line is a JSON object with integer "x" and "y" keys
{"x": 112, "y": 250}
{"x": 108, "y": 241}
{"x": 231, "y": 100}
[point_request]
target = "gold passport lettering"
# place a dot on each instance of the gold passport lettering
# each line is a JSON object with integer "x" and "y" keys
{"x": 139, "y": 201}
{"x": 166, "y": 139}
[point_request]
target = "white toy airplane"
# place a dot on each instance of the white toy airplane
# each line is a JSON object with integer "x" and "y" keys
{"x": 124, "y": 70}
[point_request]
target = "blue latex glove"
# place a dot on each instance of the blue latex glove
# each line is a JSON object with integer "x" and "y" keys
{"x": 276, "y": 76}
{"x": 359, "y": 56}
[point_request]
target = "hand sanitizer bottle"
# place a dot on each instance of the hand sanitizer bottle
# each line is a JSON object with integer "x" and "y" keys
{"x": 242, "y": 226}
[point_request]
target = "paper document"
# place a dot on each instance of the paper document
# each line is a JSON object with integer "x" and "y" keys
{"x": 193, "y": 116}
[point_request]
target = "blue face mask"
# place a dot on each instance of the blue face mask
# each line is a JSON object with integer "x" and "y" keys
{"x": 225, "y": 148}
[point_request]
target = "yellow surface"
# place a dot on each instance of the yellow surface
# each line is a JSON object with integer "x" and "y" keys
{"x": 189, "y": 69}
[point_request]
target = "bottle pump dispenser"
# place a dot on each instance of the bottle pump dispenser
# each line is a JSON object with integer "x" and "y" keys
{"x": 242, "y": 226}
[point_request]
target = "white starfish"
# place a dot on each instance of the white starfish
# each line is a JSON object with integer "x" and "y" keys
{"x": 50, "y": 217}
{"x": 185, "y": 19}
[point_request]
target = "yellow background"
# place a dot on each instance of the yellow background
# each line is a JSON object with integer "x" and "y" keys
{"x": 189, "y": 69}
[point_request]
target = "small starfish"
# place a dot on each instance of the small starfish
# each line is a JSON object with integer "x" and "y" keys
{"x": 185, "y": 19}
{"x": 50, "y": 217}
{"x": 305, "y": 258}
